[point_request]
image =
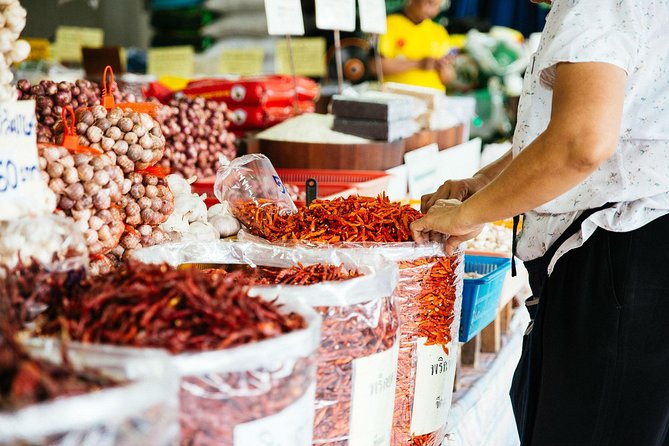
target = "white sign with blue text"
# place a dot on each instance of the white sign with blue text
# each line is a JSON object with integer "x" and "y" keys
{"x": 22, "y": 191}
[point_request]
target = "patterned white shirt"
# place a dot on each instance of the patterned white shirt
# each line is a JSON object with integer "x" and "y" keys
{"x": 631, "y": 34}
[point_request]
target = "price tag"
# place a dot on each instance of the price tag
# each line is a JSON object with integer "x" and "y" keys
{"x": 373, "y": 16}
{"x": 172, "y": 61}
{"x": 422, "y": 170}
{"x": 374, "y": 379}
{"x": 308, "y": 54}
{"x": 71, "y": 39}
{"x": 335, "y": 14}
{"x": 40, "y": 49}
{"x": 461, "y": 161}
{"x": 284, "y": 17}
{"x": 21, "y": 188}
{"x": 243, "y": 62}
{"x": 435, "y": 372}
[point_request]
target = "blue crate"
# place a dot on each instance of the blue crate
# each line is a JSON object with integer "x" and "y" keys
{"x": 175, "y": 4}
{"x": 480, "y": 297}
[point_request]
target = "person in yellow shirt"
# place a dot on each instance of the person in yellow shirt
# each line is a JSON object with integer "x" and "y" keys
{"x": 415, "y": 50}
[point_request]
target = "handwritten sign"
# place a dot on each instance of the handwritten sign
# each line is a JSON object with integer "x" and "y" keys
{"x": 308, "y": 54}
{"x": 284, "y": 17}
{"x": 372, "y": 16}
{"x": 171, "y": 61}
{"x": 40, "y": 49}
{"x": 243, "y": 61}
{"x": 71, "y": 39}
{"x": 22, "y": 191}
{"x": 335, "y": 14}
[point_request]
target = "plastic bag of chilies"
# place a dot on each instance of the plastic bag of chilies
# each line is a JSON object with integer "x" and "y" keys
{"x": 357, "y": 362}
{"x": 142, "y": 411}
{"x": 429, "y": 298}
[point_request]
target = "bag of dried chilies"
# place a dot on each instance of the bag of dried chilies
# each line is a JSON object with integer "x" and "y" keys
{"x": 53, "y": 398}
{"x": 355, "y": 387}
{"x": 428, "y": 296}
{"x": 245, "y": 364}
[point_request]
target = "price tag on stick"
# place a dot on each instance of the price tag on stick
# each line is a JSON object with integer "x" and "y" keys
{"x": 335, "y": 15}
{"x": 284, "y": 17}
{"x": 372, "y": 16}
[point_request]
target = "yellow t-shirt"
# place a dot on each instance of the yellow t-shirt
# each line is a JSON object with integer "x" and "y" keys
{"x": 405, "y": 39}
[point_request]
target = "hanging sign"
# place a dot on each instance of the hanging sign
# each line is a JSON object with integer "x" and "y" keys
{"x": 171, "y": 61}
{"x": 71, "y": 39}
{"x": 308, "y": 53}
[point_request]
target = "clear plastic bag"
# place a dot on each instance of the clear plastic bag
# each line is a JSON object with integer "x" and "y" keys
{"x": 143, "y": 411}
{"x": 428, "y": 279}
{"x": 52, "y": 240}
{"x": 250, "y": 182}
{"x": 359, "y": 337}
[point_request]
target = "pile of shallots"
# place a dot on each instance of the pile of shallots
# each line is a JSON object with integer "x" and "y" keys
{"x": 196, "y": 133}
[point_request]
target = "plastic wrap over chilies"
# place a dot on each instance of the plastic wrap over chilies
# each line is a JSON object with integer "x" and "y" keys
{"x": 52, "y": 240}
{"x": 142, "y": 411}
{"x": 359, "y": 344}
{"x": 429, "y": 297}
{"x": 251, "y": 180}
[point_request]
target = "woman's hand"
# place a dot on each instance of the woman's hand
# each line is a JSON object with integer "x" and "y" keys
{"x": 444, "y": 223}
{"x": 454, "y": 189}
{"x": 446, "y": 69}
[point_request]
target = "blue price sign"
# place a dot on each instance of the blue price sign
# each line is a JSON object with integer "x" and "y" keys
{"x": 20, "y": 182}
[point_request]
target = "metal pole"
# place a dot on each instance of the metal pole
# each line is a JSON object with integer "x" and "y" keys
{"x": 377, "y": 58}
{"x": 340, "y": 68}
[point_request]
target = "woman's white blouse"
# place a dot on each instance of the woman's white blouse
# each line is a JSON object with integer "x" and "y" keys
{"x": 633, "y": 35}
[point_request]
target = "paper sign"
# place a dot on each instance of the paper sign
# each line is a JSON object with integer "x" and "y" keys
{"x": 397, "y": 186}
{"x": 70, "y": 40}
{"x": 21, "y": 187}
{"x": 457, "y": 162}
{"x": 292, "y": 426}
{"x": 335, "y": 14}
{"x": 284, "y": 17}
{"x": 422, "y": 167}
{"x": 244, "y": 61}
{"x": 171, "y": 61}
{"x": 435, "y": 372}
{"x": 308, "y": 53}
{"x": 40, "y": 49}
{"x": 373, "y": 394}
{"x": 372, "y": 16}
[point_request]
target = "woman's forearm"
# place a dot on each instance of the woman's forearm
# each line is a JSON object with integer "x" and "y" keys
{"x": 398, "y": 66}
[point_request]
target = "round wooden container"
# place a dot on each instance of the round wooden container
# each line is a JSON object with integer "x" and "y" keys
{"x": 298, "y": 155}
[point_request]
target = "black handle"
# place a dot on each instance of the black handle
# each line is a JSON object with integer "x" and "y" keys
{"x": 312, "y": 190}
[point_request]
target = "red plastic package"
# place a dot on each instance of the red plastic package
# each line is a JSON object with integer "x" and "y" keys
{"x": 254, "y": 90}
{"x": 263, "y": 116}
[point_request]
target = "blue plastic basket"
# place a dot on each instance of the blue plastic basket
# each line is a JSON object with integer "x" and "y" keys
{"x": 480, "y": 297}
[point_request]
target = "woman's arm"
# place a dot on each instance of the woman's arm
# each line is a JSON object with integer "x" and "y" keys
{"x": 583, "y": 133}
{"x": 400, "y": 65}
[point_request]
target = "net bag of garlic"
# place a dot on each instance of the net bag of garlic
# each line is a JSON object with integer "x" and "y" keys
{"x": 87, "y": 186}
{"x": 357, "y": 362}
{"x": 97, "y": 397}
{"x": 246, "y": 365}
{"x": 249, "y": 183}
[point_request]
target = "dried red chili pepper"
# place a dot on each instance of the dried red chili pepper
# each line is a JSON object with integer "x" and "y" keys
{"x": 304, "y": 275}
{"x": 351, "y": 219}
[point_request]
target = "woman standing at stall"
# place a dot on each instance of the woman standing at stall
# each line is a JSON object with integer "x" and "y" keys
{"x": 415, "y": 50}
{"x": 590, "y": 170}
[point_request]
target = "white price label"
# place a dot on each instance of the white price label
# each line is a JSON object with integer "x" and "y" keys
{"x": 284, "y": 17}
{"x": 335, "y": 14}
{"x": 435, "y": 372}
{"x": 293, "y": 426}
{"x": 373, "y": 398}
{"x": 20, "y": 183}
{"x": 373, "y": 16}
{"x": 422, "y": 169}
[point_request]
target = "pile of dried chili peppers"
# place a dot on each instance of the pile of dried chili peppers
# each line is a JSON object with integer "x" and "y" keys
{"x": 426, "y": 294}
{"x": 351, "y": 219}
{"x": 186, "y": 311}
{"x": 305, "y": 275}
{"x": 178, "y": 310}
